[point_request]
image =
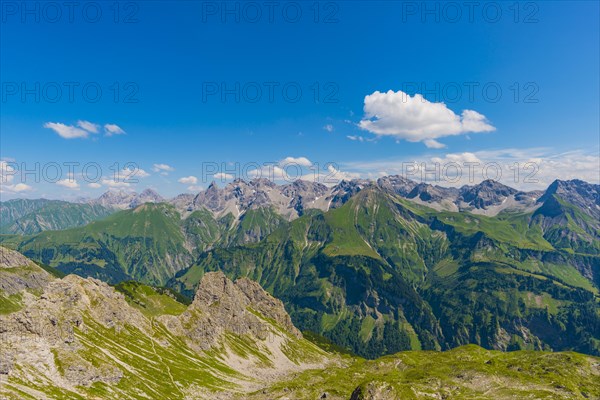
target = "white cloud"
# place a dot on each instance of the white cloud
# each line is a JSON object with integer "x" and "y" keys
{"x": 114, "y": 183}
{"x": 301, "y": 161}
{"x": 460, "y": 158}
{"x": 272, "y": 173}
{"x": 21, "y": 187}
{"x": 88, "y": 126}
{"x": 125, "y": 177}
{"x": 112, "y": 129}
{"x": 129, "y": 173}
{"x": 434, "y": 144}
{"x": 195, "y": 188}
{"x": 7, "y": 177}
{"x": 336, "y": 175}
{"x": 162, "y": 167}
{"x": 329, "y": 128}
{"x": 82, "y": 130}
{"x": 188, "y": 180}
{"x": 525, "y": 169}
{"x": 416, "y": 119}
{"x": 331, "y": 176}
{"x": 359, "y": 138}
{"x": 7, "y": 172}
{"x": 136, "y": 172}
{"x": 223, "y": 176}
{"x": 68, "y": 183}
{"x": 67, "y": 131}
{"x": 12, "y": 189}
{"x": 94, "y": 185}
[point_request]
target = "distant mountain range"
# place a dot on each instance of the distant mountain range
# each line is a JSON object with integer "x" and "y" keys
{"x": 290, "y": 201}
{"x": 26, "y": 217}
{"x": 374, "y": 266}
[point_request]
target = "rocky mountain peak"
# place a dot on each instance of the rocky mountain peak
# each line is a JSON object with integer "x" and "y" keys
{"x": 586, "y": 196}
{"x": 147, "y": 196}
{"x": 304, "y": 188}
{"x": 232, "y": 305}
{"x": 396, "y": 184}
{"x": 115, "y": 198}
{"x": 574, "y": 191}
{"x": 263, "y": 182}
{"x": 12, "y": 259}
{"x": 18, "y": 273}
{"x": 430, "y": 193}
{"x": 485, "y": 194}
{"x": 343, "y": 191}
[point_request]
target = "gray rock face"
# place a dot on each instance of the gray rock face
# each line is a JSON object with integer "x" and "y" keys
{"x": 147, "y": 196}
{"x": 239, "y": 196}
{"x": 212, "y": 198}
{"x": 115, "y": 199}
{"x": 373, "y": 391}
{"x": 18, "y": 273}
{"x": 183, "y": 201}
{"x": 584, "y": 195}
{"x": 431, "y": 194}
{"x": 123, "y": 199}
{"x": 46, "y": 327}
{"x": 396, "y": 184}
{"x": 12, "y": 259}
{"x": 485, "y": 194}
{"x": 302, "y": 193}
{"x": 343, "y": 191}
{"x": 221, "y": 305}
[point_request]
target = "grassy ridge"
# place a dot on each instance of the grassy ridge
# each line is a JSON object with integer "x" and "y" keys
{"x": 468, "y": 372}
{"x": 148, "y": 244}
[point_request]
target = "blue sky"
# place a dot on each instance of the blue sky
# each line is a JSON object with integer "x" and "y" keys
{"x": 169, "y": 73}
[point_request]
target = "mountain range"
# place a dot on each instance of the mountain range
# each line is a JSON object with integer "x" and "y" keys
{"x": 68, "y": 337}
{"x": 372, "y": 266}
{"x": 289, "y": 200}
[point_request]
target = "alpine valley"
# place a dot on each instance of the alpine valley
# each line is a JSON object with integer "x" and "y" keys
{"x": 322, "y": 292}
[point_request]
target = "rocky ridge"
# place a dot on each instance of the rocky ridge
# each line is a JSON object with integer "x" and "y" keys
{"x": 74, "y": 336}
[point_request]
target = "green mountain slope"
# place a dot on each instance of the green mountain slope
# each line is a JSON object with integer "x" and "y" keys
{"x": 468, "y": 372}
{"x": 382, "y": 274}
{"x": 28, "y": 217}
{"x": 149, "y": 243}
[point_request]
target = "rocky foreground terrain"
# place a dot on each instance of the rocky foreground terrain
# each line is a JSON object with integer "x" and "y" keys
{"x": 76, "y": 338}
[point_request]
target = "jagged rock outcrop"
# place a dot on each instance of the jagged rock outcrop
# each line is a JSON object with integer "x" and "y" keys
{"x": 485, "y": 194}
{"x": 221, "y": 305}
{"x": 12, "y": 259}
{"x": 431, "y": 194}
{"x": 75, "y": 335}
{"x": 585, "y": 196}
{"x": 373, "y": 391}
{"x": 121, "y": 199}
{"x": 115, "y": 198}
{"x": 343, "y": 191}
{"x": 147, "y": 196}
{"x": 396, "y": 184}
{"x": 18, "y": 273}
